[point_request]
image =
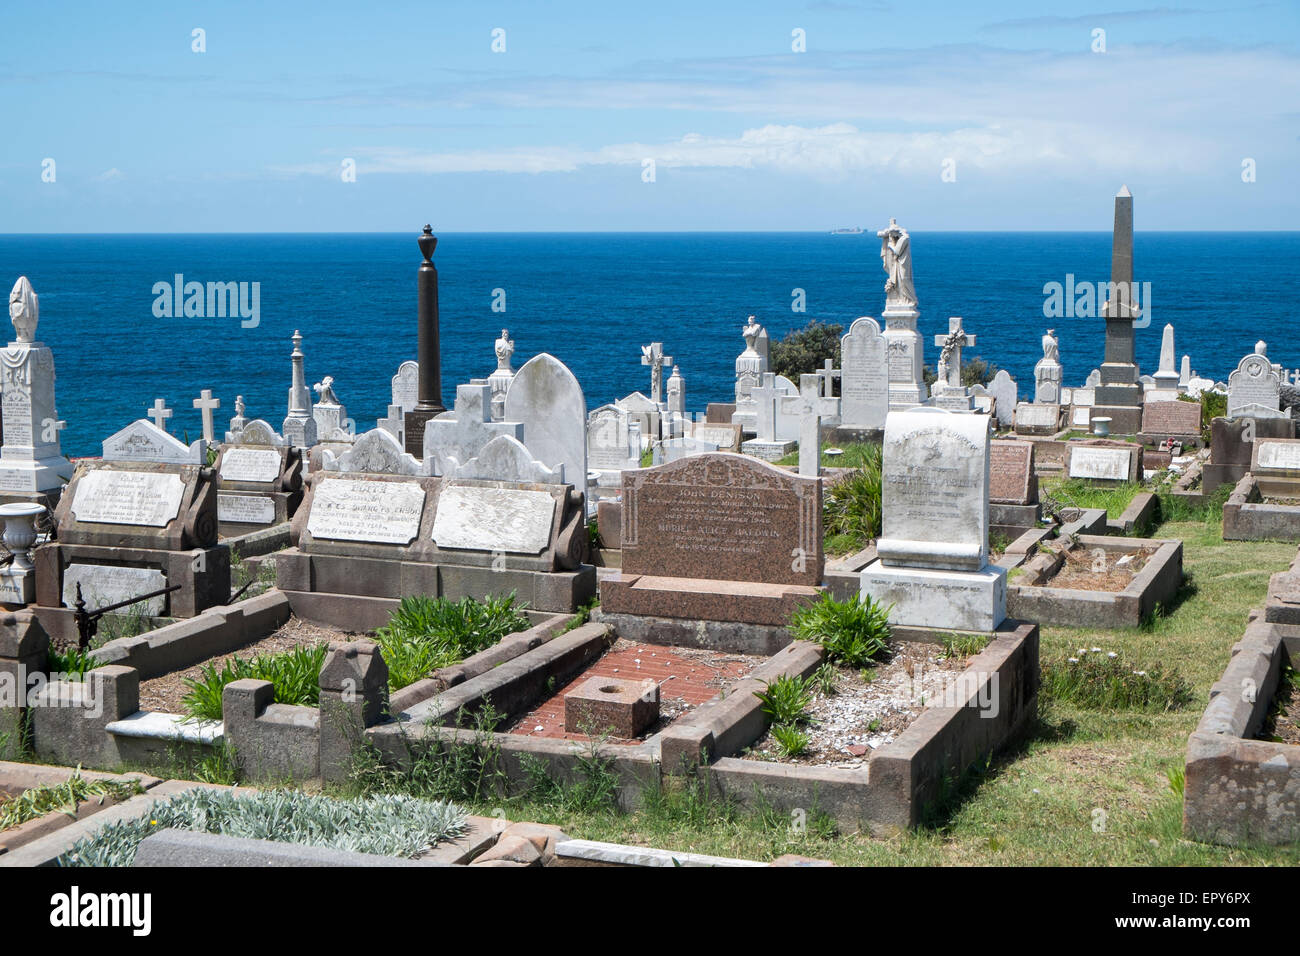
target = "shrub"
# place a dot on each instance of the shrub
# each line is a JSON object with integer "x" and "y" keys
{"x": 72, "y": 663}
{"x": 804, "y": 351}
{"x": 38, "y": 801}
{"x": 786, "y": 699}
{"x": 1097, "y": 680}
{"x": 790, "y": 740}
{"x": 426, "y": 633}
{"x": 1213, "y": 405}
{"x": 851, "y": 505}
{"x": 853, "y": 632}
{"x": 295, "y": 674}
{"x": 388, "y": 825}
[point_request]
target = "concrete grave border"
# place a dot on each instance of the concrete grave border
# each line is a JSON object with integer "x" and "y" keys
{"x": 1246, "y": 517}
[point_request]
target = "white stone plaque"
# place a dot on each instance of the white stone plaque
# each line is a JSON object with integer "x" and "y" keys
{"x": 1103, "y": 464}
{"x": 350, "y": 509}
{"x": 493, "y": 519}
{"x": 128, "y": 497}
{"x": 245, "y": 509}
{"x": 1080, "y": 415}
{"x": 1038, "y": 416}
{"x": 250, "y": 464}
{"x": 103, "y": 584}
{"x": 1278, "y": 456}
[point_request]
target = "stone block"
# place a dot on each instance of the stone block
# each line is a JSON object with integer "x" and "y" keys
{"x": 600, "y": 705}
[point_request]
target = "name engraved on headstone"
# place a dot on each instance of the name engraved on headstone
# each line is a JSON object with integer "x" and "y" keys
{"x": 1278, "y": 456}
{"x": 128, "y": 497}
{"x": 1105, "y": 464}
{"x": 250, "y": 464}
{"x": 245, "y": 509}
{"x": 493, "y": 519}
{"x": 384, "y": 512}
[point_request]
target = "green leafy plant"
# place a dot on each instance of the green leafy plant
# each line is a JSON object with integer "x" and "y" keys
{"x": 825, "y": 679}
{"x": 295, "y": 674}
{"x": 964, "y": 645}
{"x": 1097, "y": 680}
{"x": 851, "y": 505}
{"x": 38, "y": 801}
{"x": 72, "y": 663}
{"x": 853, "y": 632}
{"x": 383, "y": 824}
{"x": 426, "y": 633}
{"x": 804, "y": 351}
{"x": 790, "y": 740}
{"x": 582, "y": 616}
{"x": 786, "y": 699}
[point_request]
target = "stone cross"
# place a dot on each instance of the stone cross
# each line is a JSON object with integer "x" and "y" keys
{"x": 160, "y": 413}
{"x": 828, "y": 374}
{"x": 206, "y": 405}
{"x": 954, "y": 342}
{"x": 653, "y": 356}
{"x": 811, "y": 407}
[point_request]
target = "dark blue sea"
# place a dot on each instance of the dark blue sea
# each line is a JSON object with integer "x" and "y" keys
{"x": 592, "y": 300}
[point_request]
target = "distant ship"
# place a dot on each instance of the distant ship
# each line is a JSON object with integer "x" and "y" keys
{"x": 847, "y": 231}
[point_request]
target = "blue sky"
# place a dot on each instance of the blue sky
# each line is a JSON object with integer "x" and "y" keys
{"x": 553, "y": 133}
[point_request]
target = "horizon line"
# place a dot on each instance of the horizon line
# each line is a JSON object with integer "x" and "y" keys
{"x": 637, "y": 232}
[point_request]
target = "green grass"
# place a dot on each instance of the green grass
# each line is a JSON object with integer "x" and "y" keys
{"x": 295, "y": 674}
{"x": 856, "y": 455}
{"x": 1096, "y": 679}
{"x": 426, "y": 633}
{"x": 1033, "y": 805}
{"x": 38, "y": 801}
{"x": 1077, "y": 493}
{"x": 388, "y": 825}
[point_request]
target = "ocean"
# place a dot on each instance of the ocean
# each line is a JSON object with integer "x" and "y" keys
{"x": 592, "y": 300}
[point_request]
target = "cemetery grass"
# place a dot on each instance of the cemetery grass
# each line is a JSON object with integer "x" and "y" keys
{"x": 1034, "y": 805}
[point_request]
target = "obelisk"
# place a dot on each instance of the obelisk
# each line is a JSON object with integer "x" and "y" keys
{"x": 299, "y": 426}
{"x": 429, "y": 400}
{"x": 1119, "y": 395}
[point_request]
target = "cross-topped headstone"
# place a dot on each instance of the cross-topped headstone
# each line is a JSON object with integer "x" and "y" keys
{"x": 950, "y": 356}
{"x": 206, "y": 405}
{"x": 160, "y": 413}
{"x": 811, "y": 407}
{"x": 827, "y": 375}
{"x": 653, "y": 356}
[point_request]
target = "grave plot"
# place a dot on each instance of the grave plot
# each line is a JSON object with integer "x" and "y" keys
{"x": 842, "y": 714}
{"x": 1242, "y": 782}
{"x": 36, "y": 801}
{"x": 1098, "y": 581}
{"x": 260, "y": 486}
{"x": 1265, "y": 503}
{"x": 632, "y": 692}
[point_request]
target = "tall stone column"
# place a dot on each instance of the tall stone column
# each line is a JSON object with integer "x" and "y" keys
{"x": 429, "y": 402}
{"x": 1119, "y": 395}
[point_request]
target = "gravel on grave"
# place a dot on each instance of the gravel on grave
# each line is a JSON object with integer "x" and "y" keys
{"x": 1082, "y": 571}
{"x": 165, "y": 693}
{"x": 840, "y": 731}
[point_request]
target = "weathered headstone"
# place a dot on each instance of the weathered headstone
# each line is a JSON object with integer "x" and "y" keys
{"x": 751, "y": 364}
{"x": 546, "y": 398}
{"x": 455, "y": 437}
{"x": 1035, "y": 419}
{"x": 376, "y": 452}
{"x": 810, "y": 408}
{"x": 1275, "y": 463}
{"x": 717, "y": 537}
{"x": 1011, "y": 473}
{"x": 1175, "y": 419}
{"x": 261, "y": 480}
{"x": 1103, "y": 462}
{"x": 725, "y": 436}
{"x": 143, "y": 441}
{"x": 499, "y": 381}
{"x": 864, "y": 382}
{"x": 299, "y": 426}
{"x": 933, "y": 566}
{"x": 903, "y": 343}
{"x": 610, "y": 446}
{"x": 1005, "y": 395}
{"x": 1254, "y": 388}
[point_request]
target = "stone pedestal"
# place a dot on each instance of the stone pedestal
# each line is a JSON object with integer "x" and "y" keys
{"x": 32, "y": 468}
{"x": 924, "y": 597}
{"x": 905, "y": 350}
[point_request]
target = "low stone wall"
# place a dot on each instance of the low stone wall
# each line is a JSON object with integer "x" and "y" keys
{"x": 1247, "y": 518}
{"x": 1138, "y": 518}
{"x": 995, "y": 701}
{"x": 1239, "y": 790}
{"x": 1157, "y": 583}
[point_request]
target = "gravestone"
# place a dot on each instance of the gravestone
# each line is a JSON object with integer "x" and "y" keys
{"x": 1005, "y": 395}
{"x": 1083, "y": 396}
{"x": 777, "y": 434}
{"x": 1048, "y": 372}
{"x": 725, "y": 436}
{"x": 1275, "y": 463}
{"x": 124, "y": 524}
{"x": 1232, "y": 447}
{"x": 717, "y": 537}
{"x": 1103, "y": 462}
{"x": 453, "y": 438}
{"x": 32, "y": 466}
{"x": 1165, "y": 388}
{"x": 1119, "y": 392}
{"x": 1081, "y": 417}
{"x": 143, "y": 441}
{"x": 404, "y": 396}
{"x": 333, "y": 427}
{"x": 751, "y": 365}
{"x": 903, "y": 343}
{"x": 1034, "y": 419}
{"x": 675, "y": 449}
{"x": 507, "y": 459}
{"x": 1254, "y": 387}
{"x": 646, "y": 413}
{"x": 361, "y": 542}
{"x": 933, "y": 569}
{"x": 864, "y": 381}
{"x": 299, "y": 426}
{"x": 376, "y": 452}
{"x": 948, "y": 391}
{"x": 1013, "y": 488}
{"x": 611, "y": 445}
{"x": 810, "y": 408}
{"x": 499, "y": 381}
{"x": 546, "y": 398}
{"x": 1162, "y": 420}
{"x": 260, "y": 479}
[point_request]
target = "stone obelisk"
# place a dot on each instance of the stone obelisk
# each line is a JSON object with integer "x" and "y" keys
{"x": 1119, "y": 395}
{"x": 299, "y": 426}
{"x": 429, "y": 400}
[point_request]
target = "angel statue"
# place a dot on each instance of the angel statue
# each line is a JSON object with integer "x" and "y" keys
{"x": 896, "y": 256}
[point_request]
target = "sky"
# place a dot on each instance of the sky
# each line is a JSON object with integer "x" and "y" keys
{"x": 628, "y": 116}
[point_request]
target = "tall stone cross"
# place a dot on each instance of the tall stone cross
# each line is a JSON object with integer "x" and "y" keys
{"x": 827, "y": 374}
{"x": 954, "y": 342}
{"x": 811, "y": 407}
{"x": 206, "y": 405}
{"x": 653, "y": 356}
{"x": 160, "y": 413}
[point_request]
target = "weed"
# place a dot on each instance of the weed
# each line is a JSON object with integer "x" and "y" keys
{"x": 425, "y": 633}
{"x": 295, "y": 674}
{"x": 853, "y": 632}
{"x": 786, "y": 699}
{"x": 964, "y": 645}
{"x": 38, "y": 801}
{"x": 790, "y": 740}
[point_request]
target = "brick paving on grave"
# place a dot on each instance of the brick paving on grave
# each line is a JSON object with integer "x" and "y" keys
{"x": 697, "y": 676}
